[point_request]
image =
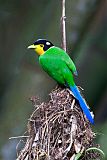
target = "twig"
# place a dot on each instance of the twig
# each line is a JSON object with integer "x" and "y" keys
{"x": 72, "y": 133}
{"x": 73, "y": 102}
{"x": 63, "y": 27}
{"x": 18, "y": 137}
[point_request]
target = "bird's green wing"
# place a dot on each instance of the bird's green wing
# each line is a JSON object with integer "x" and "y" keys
{"x": 70, "y": 64}
{"x": 65, "y": 57}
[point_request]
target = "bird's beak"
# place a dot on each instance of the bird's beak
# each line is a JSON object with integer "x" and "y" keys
{"x": 31, "y": 47}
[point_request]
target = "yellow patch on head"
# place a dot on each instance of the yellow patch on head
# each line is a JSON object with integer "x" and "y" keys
{"x": 39, "y": 49}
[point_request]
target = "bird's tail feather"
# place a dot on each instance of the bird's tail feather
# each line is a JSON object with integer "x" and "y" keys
{"x": 83, "y": 104}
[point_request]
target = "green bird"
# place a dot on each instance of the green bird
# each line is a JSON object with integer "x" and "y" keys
{"x": 57, "y": 63}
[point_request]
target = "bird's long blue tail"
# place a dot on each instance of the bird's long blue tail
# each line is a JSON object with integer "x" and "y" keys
{"x": 83, "y": 105}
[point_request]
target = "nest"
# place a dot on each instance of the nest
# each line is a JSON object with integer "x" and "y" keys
{"x": 58, "y": 130}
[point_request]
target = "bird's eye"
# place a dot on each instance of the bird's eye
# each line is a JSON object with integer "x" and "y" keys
{"x": 41, "y": 45}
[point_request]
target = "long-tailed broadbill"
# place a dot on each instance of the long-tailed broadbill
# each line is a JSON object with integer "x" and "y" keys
{"x": 57, "y": 63}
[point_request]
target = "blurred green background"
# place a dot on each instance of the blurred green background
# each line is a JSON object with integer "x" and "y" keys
{"x": 22, "y": 22}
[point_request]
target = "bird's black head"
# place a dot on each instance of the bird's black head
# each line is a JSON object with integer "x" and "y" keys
{"x": 41, "y": 45}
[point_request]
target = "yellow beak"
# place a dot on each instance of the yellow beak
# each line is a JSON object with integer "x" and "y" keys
{"x": 31, "y": 46}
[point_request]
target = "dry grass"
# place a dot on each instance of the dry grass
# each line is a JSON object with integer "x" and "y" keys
{"x": 58, "y": 130}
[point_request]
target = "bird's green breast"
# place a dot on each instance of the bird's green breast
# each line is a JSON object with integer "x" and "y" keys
{"x": 53, "y": 64}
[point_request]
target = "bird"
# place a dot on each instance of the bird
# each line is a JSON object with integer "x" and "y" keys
{"x": 58, "y": 64}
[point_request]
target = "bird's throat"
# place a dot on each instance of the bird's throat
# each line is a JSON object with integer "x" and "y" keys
{"x": 39, "y": 51}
